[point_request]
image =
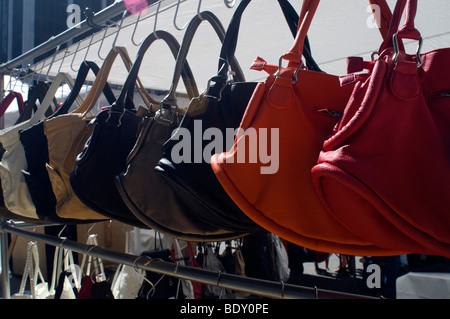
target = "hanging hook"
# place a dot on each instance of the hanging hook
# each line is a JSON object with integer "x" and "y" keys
{"x": 156, "y": 20}
{"x": 101, "y": 44}
{"x": 74, "y": 56}
{"x": 139, "y": 274}
{"x": 282, "y": 289}
{"x": 199, "y": 14}
{"x": 230, "y": 3}
{"x": 120, "y": 27}
{"x": 175, "y": 18}
{"x": 51, "y": 62}
{"x": 134, "y": 31}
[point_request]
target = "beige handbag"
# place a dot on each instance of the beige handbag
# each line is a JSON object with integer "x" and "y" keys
{"x": 15, "y": 191}
{"x": 67, "y": 134}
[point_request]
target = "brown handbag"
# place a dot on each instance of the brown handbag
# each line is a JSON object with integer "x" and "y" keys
{"x": 67, "y": 134}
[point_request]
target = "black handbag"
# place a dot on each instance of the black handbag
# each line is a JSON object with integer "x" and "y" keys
{"x": 152, "y": 201}
{"x": 193, "y": 181}
{"x": 115, "y": 132}
{"x": 35, "y": 146}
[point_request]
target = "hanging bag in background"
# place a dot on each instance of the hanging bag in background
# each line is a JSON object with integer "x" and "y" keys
{"x": 153, "y": 202}
{"x": 384, "y": 173}
{"x": 35, "y": 146}
{"x": 33, "y": 272}
{"x": 66, "y": 135}
{"x": 212, "y": 263}
{"x": 115, "y": 131}
{"x": 15, "y": 191}
{"x": 289, "y": 116}
{"x": 279, "y": 258}
{"x": 66, "y": 280}
{"x": 218, "y": 109}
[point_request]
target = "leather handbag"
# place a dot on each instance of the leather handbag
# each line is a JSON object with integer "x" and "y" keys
{"x": 15, "y": 191}
{"x": 267, "y": 170}
{"x": 35, "y": 146}
{"x": 115, "y": 130}
{"x": 384, "y": 172}
{"x": 220, "y": 108}
{"x": 150, "y": 200}
{"x": 66, "y": 136}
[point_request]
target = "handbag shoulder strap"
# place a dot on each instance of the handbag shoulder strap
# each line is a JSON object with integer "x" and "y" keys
{"x": 170, "y": 99}
{"x": 408, "y": 29}
{"x": 46, "y": 103}
{"x": 83, "y": 72}
{"x": 102, "y": 77}
{"x": 126, "y": 95}
{"x": 7, "y": 101}
{"x": 230, "y": 44}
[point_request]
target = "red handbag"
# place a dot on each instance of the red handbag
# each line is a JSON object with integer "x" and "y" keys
{"x": 385, "y": 171}
{"x": 290, "y": 115}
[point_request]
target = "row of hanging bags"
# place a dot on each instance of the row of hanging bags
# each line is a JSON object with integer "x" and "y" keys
{"x": 35, "y": 146}
{"x": 15, "y": 192}
{"x": 293, "y": 112}
{"x": 66, "y": 136}
{"x": 114, "y": 133}
{"x": 153, "y": 202}
{"x": 218, "y": 109}
{"x": 384, "y": 172}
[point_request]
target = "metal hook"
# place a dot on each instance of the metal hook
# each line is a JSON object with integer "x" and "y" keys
{"x": 230, "y": 3}
{"x": 199, "y": 14}
{"x": 139, "y": 274}
{"x": 51, "y": 63}
{"x": 282, "y": 289}
{"x": 74, "y": 56}
{"x": 175, "y": 18}
{"x": 134, "y": 31}
{"x": 120, "y": 27}
{"x": 156, "y": 20}
{"x": 316, "y": 293}
{"x": 101, "y": 45}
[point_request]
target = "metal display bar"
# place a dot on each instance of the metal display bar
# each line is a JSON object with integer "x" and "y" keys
{"x": 264, "y": 288}
{"x": 92, "y": 22}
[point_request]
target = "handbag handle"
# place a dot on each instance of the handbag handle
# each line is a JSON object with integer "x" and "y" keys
{"x": 126, "y": 95}
{"x": 408, "y": 29}
{"x": 35, "y": 93}
{"x": 101, "y": 79}
{"x": 83, "y": 71}
{"x": 47, "y": 101}
{"x": 170, "y": 99}
{"x": 231, "y": 37}
{"x": 6, "y": 102}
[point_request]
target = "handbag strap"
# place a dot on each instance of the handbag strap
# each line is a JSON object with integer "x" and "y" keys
{"x": 46, "y": 103}
{"x": 408, "y": 29}
{"x": 102, "y": 77}
{"x": 207, "y": 16}
{"x": 6, "y": 102}
{"x": 126, "y": 95}
{"x": 35, "y": 92}
{"x": 83, "y": 72}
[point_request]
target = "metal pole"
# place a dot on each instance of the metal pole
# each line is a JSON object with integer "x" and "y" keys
{"x": 97, "y": 19}
{"x": 6, "y": 287}
{"x": 259, "y": 287}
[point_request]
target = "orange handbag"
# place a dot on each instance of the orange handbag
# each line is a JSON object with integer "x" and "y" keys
{"x": 267, "y": 171}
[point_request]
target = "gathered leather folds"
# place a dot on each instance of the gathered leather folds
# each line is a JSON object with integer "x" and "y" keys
{"x": 384, "y": 173}
{"x": 267, "y": 171}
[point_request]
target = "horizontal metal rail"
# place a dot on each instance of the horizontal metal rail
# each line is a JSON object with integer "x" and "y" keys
{"x": 259, "y": 287}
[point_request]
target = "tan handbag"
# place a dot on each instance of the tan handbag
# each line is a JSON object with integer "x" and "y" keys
{"x": 67, "y": 134}
{"x": 15, "y": 191}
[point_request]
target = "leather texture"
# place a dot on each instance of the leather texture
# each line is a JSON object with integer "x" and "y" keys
{"x": 151, "y": 200}
{"x": 301, "y": 107}
{"x": 220, "y": 108}
{"x": 384, "y": 173}
{"x": 115, "y": 131}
